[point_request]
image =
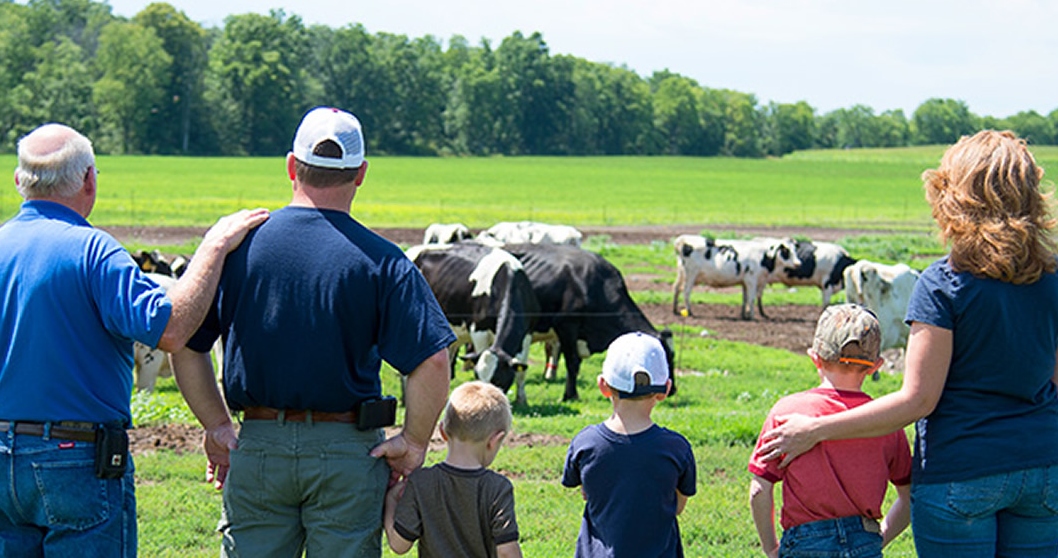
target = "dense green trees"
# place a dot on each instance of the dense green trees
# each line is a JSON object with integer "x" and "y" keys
{"x": 161, "y": 83}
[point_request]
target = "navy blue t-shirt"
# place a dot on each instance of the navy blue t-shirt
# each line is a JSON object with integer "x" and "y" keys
{"x": 309, "y": 306}
{"x": 999, "y": 409}
{"x": 630, "y": 483}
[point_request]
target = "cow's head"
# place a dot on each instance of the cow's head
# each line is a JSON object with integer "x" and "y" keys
{"x": 496, "y": 367}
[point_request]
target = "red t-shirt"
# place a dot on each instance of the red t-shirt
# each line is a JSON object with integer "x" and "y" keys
{"x": 836, "y": 478}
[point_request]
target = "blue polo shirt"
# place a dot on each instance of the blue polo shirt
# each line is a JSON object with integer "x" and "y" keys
{"x": 309, "y": 306}
{"x": 72, "y": 301}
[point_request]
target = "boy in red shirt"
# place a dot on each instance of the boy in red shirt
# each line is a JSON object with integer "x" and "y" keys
{"x": 832, "y": 495}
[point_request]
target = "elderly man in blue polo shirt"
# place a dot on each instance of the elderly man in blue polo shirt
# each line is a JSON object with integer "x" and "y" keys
{"x": 72, "y": 301}
{"x": 309, "y": 306}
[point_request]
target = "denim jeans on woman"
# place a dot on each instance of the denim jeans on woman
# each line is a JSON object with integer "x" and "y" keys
{"x": 1012, "y": 515}
{"x": 52, "y": 504}
{"x": 846, "y": 537}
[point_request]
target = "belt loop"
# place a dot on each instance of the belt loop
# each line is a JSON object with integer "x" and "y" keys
{"x": 47, "y": 431}
{"x": 308, "y": 417}
{"x": 11, "y": 432}
{"x": 282, "y": 417}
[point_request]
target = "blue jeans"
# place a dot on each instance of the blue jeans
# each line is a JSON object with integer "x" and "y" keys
{"x": 1012, "y": 514}
{"x": 298, "y": 486}
{"x": 52, "y": 504}
{"x": 846, "y": 537}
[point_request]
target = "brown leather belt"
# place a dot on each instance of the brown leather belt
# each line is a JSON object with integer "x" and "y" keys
{"x": 268, "y": 413}
{"x": 81, "y": 431}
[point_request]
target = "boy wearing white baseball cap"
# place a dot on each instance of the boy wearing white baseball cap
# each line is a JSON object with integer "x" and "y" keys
{"x": 833, "y": 494}
{"x": 635, "y": 476}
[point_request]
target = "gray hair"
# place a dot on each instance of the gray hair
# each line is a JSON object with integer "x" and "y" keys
{"x": 54, "y": 165}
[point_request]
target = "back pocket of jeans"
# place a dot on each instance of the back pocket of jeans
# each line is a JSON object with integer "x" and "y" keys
{"x": 978, "y": 497}
{"x": 72, "y": 495}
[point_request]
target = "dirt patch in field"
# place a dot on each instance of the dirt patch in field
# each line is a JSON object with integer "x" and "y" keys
{"x": 788, "y": 327}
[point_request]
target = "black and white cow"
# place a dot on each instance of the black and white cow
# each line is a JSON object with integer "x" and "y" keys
{"x": 726, "y": 263}
{"x": 153, "y": 262}
{"x": 584, "y": 304}
{"x": 488, "y": 299}
{"x": 822, "y": 265}
{"x": 529, "y": 232}
{"x": 445, "y": 233}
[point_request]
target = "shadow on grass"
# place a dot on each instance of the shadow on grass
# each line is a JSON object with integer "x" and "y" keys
{"x": 543, "y": 410}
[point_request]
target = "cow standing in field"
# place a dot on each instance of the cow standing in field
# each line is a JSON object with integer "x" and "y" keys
{"x": 822, "y": 265}
{"x": 726, "y": 263}
{"x": 584, "y": 304}
{"x": 490, "y": 303}
{"x": 148, "y": 364}
{"x": 530, "y": 232}
{"x": 445, "y": 233}
{"x": 886, "y": 291}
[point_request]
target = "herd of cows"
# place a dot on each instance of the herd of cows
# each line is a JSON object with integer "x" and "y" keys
{"x": 519, "y": 283}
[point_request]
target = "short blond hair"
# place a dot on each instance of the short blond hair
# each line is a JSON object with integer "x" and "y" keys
{"x": 986, "y": 199}
{"x": 475, "y": 411}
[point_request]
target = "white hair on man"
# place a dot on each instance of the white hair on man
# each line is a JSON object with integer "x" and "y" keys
{"x": 52, "y": 162}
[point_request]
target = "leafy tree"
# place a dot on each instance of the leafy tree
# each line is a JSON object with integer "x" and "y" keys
{"x": 58, "y": 89}
{"x": 743, "y": 123}
{"x": 1032, "y": 127}
{"x": 475, "y": 117}
{"x": 612, "y": 110}
{"x": 891, "y": 129}
{"x": 538, "y": 93}
{"x": 186, "y": 43}
{"x": 676, "y": 117}
{"x": 17, "y": 57}
{"x": 257, "y": 85}
{"x": 942, "y": 121}
{"x": 791, "y": 127}
{"x": 135, "y": 70}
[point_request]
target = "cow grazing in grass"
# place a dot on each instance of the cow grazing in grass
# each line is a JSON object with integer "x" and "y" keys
{"x": 726, "y": 263}
{"x": 488, "y": 300}
{"x": 886, "y": 291}
{"x": 445, "y": 233}
{"x": 584, "y": 304}
{"x": 530, "y": 232}
{"x": 822, "y": 265}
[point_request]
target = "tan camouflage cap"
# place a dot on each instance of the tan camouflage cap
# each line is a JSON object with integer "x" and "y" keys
{"x": 848, "y": 333}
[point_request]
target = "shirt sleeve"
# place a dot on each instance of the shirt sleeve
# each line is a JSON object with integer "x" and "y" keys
{"x": 899, "y": 459}
{"x": 930, "y": 301}
{"x": 129, "y": 302}
{"x": 571, "y": 470}
{"x": 407, "y": 520}
{"x": 688, "y": 482}
{"x": 767, "y": 470}
{"x": 504, "y": 524}
{"x": 413, "y": 327}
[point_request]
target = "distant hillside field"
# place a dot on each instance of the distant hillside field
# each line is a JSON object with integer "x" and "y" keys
{"x": 835, "y": 188}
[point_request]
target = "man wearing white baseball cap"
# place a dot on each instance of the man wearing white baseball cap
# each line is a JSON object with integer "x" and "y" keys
{"x": 310, "y": 307}
{"x": 635, "y": 476}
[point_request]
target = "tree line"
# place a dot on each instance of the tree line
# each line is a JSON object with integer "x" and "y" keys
{"x": 159, "y": 83}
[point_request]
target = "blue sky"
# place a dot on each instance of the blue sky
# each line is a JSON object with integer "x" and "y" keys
{"x": 998, "y": 56}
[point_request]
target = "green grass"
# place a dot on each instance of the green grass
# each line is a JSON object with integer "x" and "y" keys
{"x": 723, "y": 398}
{"x": 174, "y": 191}
{"x": 721, "y": 403}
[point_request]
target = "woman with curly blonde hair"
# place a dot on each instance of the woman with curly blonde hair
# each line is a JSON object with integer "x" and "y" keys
{"x": 981, "y": 374}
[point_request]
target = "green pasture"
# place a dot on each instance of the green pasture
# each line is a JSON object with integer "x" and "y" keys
{"x": 837, "y": 188}
{"x": 727, "y": 387}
